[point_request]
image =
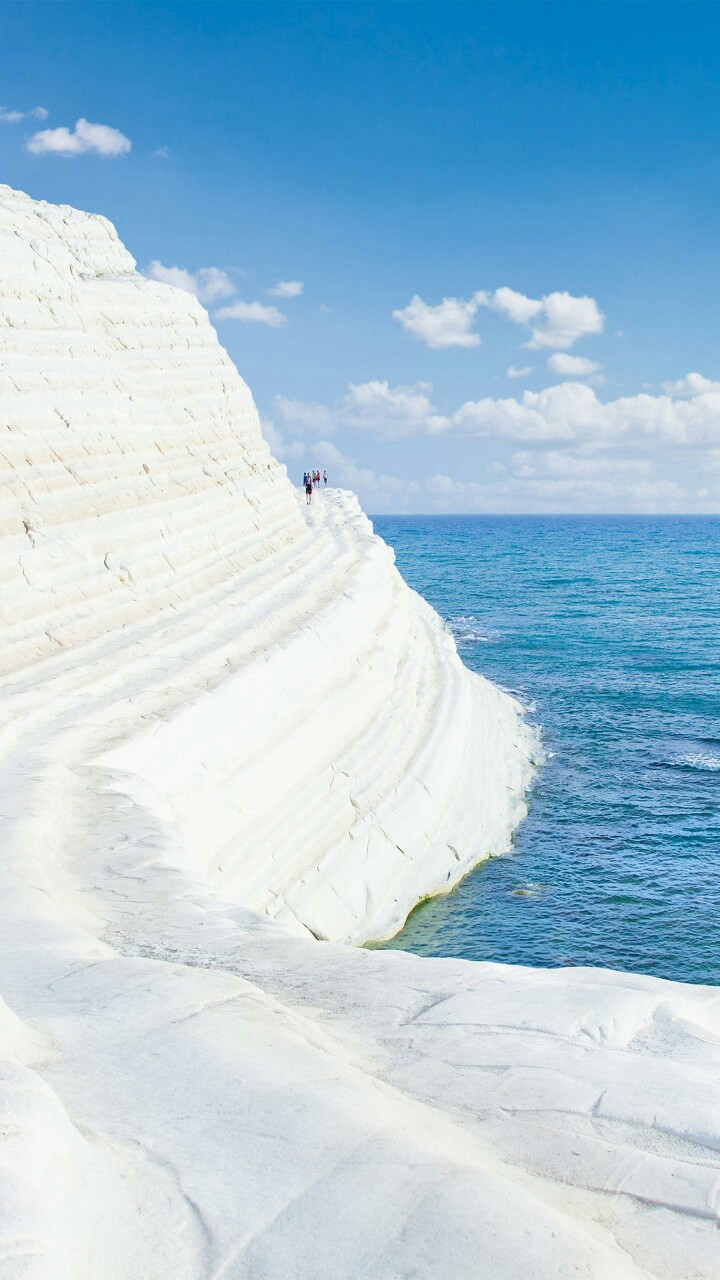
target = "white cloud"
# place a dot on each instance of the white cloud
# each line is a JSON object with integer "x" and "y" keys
{"x": 281, "y": 447}
{"x": 162, "y": 153}
{"x": 449, "y": 324}
{"x": 565, "y": 319}
{"x": 377, "y": 491}
{"x": 376, "y": 407}
{"x": 576, "y": 464}
{"x": 562, "y": 493}
{"x": 287, "y": 289}
{"x": 693, "y": 384}
{"x": 572, "y": 366}
{"x": 12, "y": 117}
{"x": 392, "y": 412}
{"x": 569, "y": 413}
{"x": 208, "y": 284}
{"x": 85, "y": 137}
{"x": 525, "y": 372}
{"x": 562, "y": 319}
{"x": 252, "y": 312}
{"x": 516, "y": 306}
{"x": 560, "y": 449}
{"x": 213, "y": 283}
{"x": 302, "y": 417}
{"x": 557, "y": 320}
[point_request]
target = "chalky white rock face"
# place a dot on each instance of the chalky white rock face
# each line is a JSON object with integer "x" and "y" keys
{"x": 341, "y": 763}
{"x": 219, "y": 707}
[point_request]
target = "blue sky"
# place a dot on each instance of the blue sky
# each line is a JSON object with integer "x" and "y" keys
{"x": 551, "y": 169}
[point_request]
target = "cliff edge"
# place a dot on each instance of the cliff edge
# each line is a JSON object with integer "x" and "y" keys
{"x": 227, "y": 725}
{"x": 296, "y": 713}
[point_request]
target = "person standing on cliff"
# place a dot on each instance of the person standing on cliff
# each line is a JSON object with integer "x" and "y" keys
{"x": 325, "y": 478}
{"x": 308, "y": 490}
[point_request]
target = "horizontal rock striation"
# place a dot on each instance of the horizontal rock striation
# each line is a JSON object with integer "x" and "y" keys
{"x": 343, "y": 763}
{"x": 219, "y": 706}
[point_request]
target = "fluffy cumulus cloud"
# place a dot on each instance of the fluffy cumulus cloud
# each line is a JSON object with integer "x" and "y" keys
{"x": 571, "y": 411}
{"x": 252, "y": 313}
{"x": 13, "y": 117}
{"x": 449, "y": 324}
{"x": 514, "y": 305}
{"x": 693, "y": 384}
{"x": 530, "y": 481}
{"x": 572, "y": 366}
{"x": 561, "y": 449}
{"x": 568, "y": 412}
{"x": 390, "y": 413}
{"x": 397, "y": 411}
{"x": 208, "y": 284}
{"x": 556, "y": 320}
{"x": 100, "y": 139}
{"x": 287, "y": 289}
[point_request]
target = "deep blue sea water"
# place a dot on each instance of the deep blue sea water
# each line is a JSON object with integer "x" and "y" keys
{"x": 608, "y": 628}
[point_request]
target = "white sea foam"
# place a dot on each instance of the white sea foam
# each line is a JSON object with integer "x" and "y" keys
{"x": 698, "y": 760}
{"x": 469, "y": 630}
{"x": 219, "y": 707}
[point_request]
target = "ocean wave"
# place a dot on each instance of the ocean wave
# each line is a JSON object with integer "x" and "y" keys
{"x": 703, "y": 760}
{"x": 469, "y": 630}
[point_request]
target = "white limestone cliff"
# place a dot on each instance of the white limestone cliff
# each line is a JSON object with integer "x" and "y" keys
{"x": 150, "y": 537}
{"x": 220, "y": 707}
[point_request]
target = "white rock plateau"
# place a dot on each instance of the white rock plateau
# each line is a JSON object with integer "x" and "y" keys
{"x": 228, "y": 725}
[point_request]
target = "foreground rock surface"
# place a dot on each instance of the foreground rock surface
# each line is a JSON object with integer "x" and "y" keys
{"x": 229, "y": 725}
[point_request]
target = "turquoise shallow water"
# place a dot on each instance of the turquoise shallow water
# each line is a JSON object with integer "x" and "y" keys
{"x": 608, "y": 628}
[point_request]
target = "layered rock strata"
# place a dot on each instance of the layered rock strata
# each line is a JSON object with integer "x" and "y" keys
{"x": 341, "y": 763}
{"x": 219, "y": 707}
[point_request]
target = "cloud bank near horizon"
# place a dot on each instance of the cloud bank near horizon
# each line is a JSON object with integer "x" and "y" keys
{"x": 566, "y": 411}
{"x": 561, "y": 449}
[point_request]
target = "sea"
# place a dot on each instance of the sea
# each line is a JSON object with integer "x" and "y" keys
{"x": 608, "y": 630}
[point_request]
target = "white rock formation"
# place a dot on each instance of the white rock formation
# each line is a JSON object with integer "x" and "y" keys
{"x": 218, "y": 707}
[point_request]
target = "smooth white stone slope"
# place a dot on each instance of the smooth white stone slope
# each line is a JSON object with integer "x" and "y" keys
{"x": 213, "y": 698}
{"x": 341, "y": 763}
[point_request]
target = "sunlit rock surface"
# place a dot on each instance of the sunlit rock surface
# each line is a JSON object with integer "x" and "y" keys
{"x": 218, "y": 707}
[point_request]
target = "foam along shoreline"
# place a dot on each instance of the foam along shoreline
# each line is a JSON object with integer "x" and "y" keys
{"x": 228, "y": 724}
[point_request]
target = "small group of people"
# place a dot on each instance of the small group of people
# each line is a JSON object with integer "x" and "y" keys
{"x": 311, "y": 480}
